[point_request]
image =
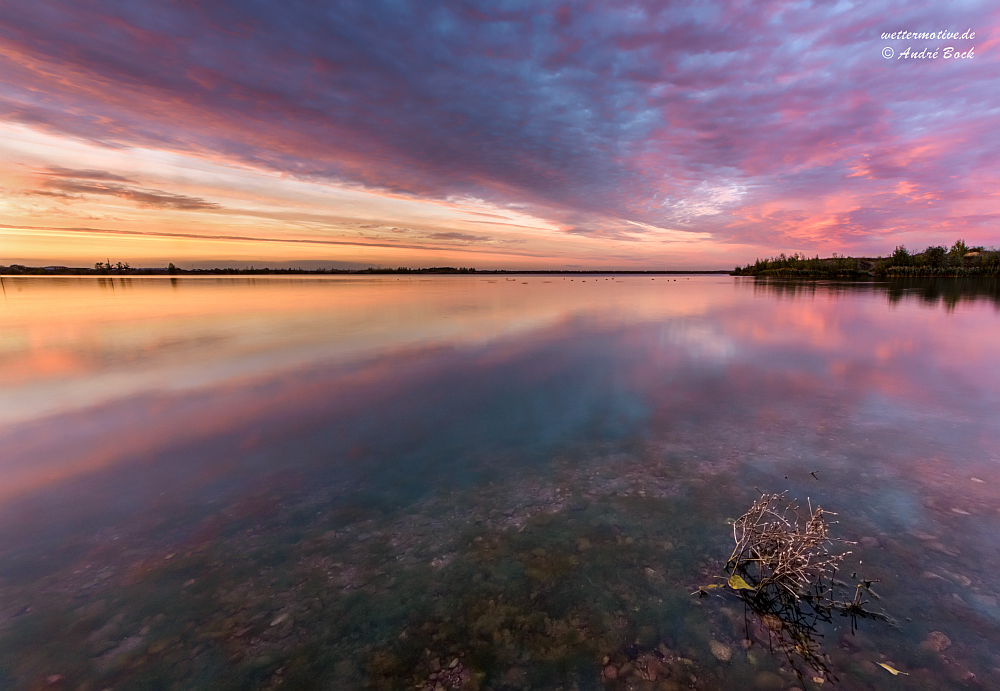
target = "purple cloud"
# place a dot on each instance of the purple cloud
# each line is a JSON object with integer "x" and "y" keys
{"x": 154, "y": 199}
{"x": 60, "y": 172}
{"x": 461, "y": 237}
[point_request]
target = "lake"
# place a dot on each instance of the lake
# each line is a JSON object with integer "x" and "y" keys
{"x": 487, "y": 481}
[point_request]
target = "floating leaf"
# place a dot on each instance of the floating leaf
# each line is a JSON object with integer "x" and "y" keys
{"x": 736, "y": 582}
{"x": 892, "y": 670}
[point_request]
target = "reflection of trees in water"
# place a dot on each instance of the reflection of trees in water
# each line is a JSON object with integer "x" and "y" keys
{"x": 949, "y": 291}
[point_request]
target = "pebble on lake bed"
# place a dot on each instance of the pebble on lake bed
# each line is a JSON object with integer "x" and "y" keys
{"x": 721, "y": 651}
{"x": 936, "y": 641}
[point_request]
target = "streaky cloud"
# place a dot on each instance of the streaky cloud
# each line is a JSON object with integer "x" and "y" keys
{"x": 154, "y": 199}
{"x": 59, "y": 171}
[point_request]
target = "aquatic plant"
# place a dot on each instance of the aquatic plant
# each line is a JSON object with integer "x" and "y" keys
{"x": 784, "y": 568}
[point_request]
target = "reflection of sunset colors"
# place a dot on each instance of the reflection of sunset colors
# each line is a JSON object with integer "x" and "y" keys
{"x": 434, "y": 133}
{"x": 142, "y": 366}
{"x": 73, "y": 342}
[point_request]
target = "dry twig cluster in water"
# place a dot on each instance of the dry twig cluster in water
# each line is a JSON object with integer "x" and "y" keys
{"x": 784, "y": 570}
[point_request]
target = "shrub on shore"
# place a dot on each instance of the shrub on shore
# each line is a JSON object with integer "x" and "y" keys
{"x": 936, "y": 260}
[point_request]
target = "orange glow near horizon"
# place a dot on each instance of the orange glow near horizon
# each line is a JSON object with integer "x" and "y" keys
{"x": 149, "y": 208}
{"x": 69, "y": 202}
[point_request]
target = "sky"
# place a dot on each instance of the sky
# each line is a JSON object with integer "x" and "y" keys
{"x": 494, "y": 133}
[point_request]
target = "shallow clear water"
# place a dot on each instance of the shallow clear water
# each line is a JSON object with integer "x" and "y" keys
{"x": 345, "y": 483}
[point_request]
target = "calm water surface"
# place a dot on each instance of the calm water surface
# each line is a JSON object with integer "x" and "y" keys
{"x": 484, "y": 482}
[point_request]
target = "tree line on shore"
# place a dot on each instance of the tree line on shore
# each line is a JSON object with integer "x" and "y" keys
{"x": 936, "y": 260}
{"x": 123, "y": 268}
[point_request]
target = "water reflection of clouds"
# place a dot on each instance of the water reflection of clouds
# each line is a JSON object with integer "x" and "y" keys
{"x": 518, "y": 392}
{"x": 72, "y": 343}
{"x": 446, "y": 371}
{"x": 701, "y": 341}
{"x": 906, "y": 352}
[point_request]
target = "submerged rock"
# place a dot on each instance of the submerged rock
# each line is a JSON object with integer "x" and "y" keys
{"x": 936, "y": 641}
{"x": 768, "y": 680}
{"x": 721, "y": 651}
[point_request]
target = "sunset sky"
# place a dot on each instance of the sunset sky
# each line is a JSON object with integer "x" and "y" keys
{"x": 492, "y": 133}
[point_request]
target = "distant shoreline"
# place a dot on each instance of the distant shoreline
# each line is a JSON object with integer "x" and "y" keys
{"x": 19, "y": 270}
{"x": 783, "y": 273}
